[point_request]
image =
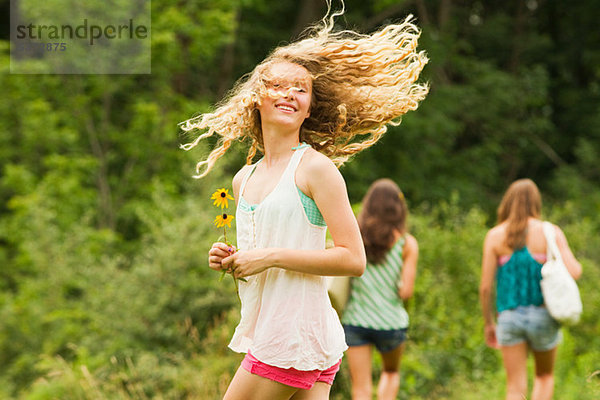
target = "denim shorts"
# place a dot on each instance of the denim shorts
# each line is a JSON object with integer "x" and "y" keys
{"x": 384, "y": 340}
{"x": 531, "y": 324}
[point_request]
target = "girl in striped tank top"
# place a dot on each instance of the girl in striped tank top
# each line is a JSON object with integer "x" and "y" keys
{"x": 375, "y": 313}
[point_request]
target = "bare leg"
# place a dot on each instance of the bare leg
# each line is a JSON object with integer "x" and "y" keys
{"x": 247, "y": 386}
{"x": 319, "y": 391}
{"x": 543, "y": 386}
{"x": 359, "y": 361}
{"x": 389, "y": 382}
{"x": 515, "y": 364}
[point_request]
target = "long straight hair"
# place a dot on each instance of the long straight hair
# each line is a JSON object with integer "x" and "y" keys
{"x": 383, "y": 211}
{"x": 521, "y": 201}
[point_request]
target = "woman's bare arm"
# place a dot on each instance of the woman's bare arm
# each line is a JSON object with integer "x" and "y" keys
{"x": 569, "y": 259}
{"x": 409, "y": 269}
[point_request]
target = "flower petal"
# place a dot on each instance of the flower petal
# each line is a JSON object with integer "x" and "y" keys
{"x": 228, "y": 220}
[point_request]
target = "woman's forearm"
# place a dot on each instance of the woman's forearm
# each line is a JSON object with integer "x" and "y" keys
{"x": 485, "y": 300}
{"x": 333, "y": 261}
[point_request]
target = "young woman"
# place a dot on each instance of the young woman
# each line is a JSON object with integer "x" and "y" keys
{"x": 301, "y": 108}
{"x": 375, "y": 313}
{"x": 513, "y": 254}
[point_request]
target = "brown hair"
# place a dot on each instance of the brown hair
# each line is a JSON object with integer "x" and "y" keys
{"x": 521, "y": 201}
{"x": 383, "y": 211}
{"x": 360, "y": 83}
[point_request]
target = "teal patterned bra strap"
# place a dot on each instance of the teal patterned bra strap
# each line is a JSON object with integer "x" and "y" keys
{"x": 301, "y": 146}
{"x": 309, "y": 205}
{"x": 311, "y": 209}
{"x": 245, "y": 206}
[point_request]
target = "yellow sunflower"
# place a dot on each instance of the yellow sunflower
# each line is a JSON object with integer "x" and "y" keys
{"x": 223, "y": 219}
{"x": 220, "y": 198}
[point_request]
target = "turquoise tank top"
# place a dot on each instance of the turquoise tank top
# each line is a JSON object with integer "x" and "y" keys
{"x": 518, "y": 282}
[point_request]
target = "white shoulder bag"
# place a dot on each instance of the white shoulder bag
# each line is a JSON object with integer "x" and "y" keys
{"x": 561, "y": 294}
{"x": 338, "y": 289}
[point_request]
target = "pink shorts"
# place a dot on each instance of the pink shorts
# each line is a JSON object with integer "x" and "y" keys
{"x": 289, "y": 376}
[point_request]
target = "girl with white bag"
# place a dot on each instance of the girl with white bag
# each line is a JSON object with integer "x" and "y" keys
{"x": 514, "y": 252}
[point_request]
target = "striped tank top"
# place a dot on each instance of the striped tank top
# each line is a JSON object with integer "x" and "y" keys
{"x": 374, "y": 301}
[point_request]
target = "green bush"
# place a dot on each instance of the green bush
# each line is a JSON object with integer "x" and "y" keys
{"x": 94, "y": 319}
{"x": 157, "y": 326}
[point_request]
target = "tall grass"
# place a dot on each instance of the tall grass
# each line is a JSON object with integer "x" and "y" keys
{"x": 445, "y": 356}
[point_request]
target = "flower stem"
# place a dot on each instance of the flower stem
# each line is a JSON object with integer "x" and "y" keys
{"x": 237, "y": 289}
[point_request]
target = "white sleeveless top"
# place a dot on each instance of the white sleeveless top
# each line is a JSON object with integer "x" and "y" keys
{"x": 287, "y": 319}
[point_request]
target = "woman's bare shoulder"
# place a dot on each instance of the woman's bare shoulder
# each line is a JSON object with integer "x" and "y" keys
{"x": 239, "y": 176}
{"x": 498, "y": 230}
{"x": 316, "y": 170}
{"x": 411, "y": 243}
{"x": 315, "y": 161}
{"x": 496, "y": 236}
{"x": 410, "y": 239}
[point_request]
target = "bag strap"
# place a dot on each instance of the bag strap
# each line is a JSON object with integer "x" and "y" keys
{"x": 552, "y": 251}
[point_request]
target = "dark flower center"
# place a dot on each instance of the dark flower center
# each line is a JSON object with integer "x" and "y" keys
{"x": 224, "y": 216}
{"x": 223, "y": 194}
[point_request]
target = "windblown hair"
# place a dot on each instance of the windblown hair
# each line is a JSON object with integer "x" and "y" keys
{"x": 360, "y": 83}
{"x": 383, "y": 211}
{"x": 521, "y": 201}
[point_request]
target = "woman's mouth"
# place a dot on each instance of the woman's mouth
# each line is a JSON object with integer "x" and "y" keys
{"x": 285, "y": 107}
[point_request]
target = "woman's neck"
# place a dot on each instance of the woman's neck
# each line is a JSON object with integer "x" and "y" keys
{"x": 278, "y": 144}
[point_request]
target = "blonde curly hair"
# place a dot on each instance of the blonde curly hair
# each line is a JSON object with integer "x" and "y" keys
{"x": 360, "y": 83}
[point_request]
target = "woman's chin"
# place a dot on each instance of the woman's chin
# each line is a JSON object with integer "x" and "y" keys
{"x": 286, "y": 122}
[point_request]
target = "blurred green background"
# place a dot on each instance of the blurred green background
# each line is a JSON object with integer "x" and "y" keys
{"x": 105, "y": 291}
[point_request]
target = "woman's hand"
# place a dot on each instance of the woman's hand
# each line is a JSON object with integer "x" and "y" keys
{"x": 246, "y": 263}
{"x": 217, "y": 253}
{"x": 490, "y": 336}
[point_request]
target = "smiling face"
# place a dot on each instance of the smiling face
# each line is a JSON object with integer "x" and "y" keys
{"x": 289, "y": 95}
